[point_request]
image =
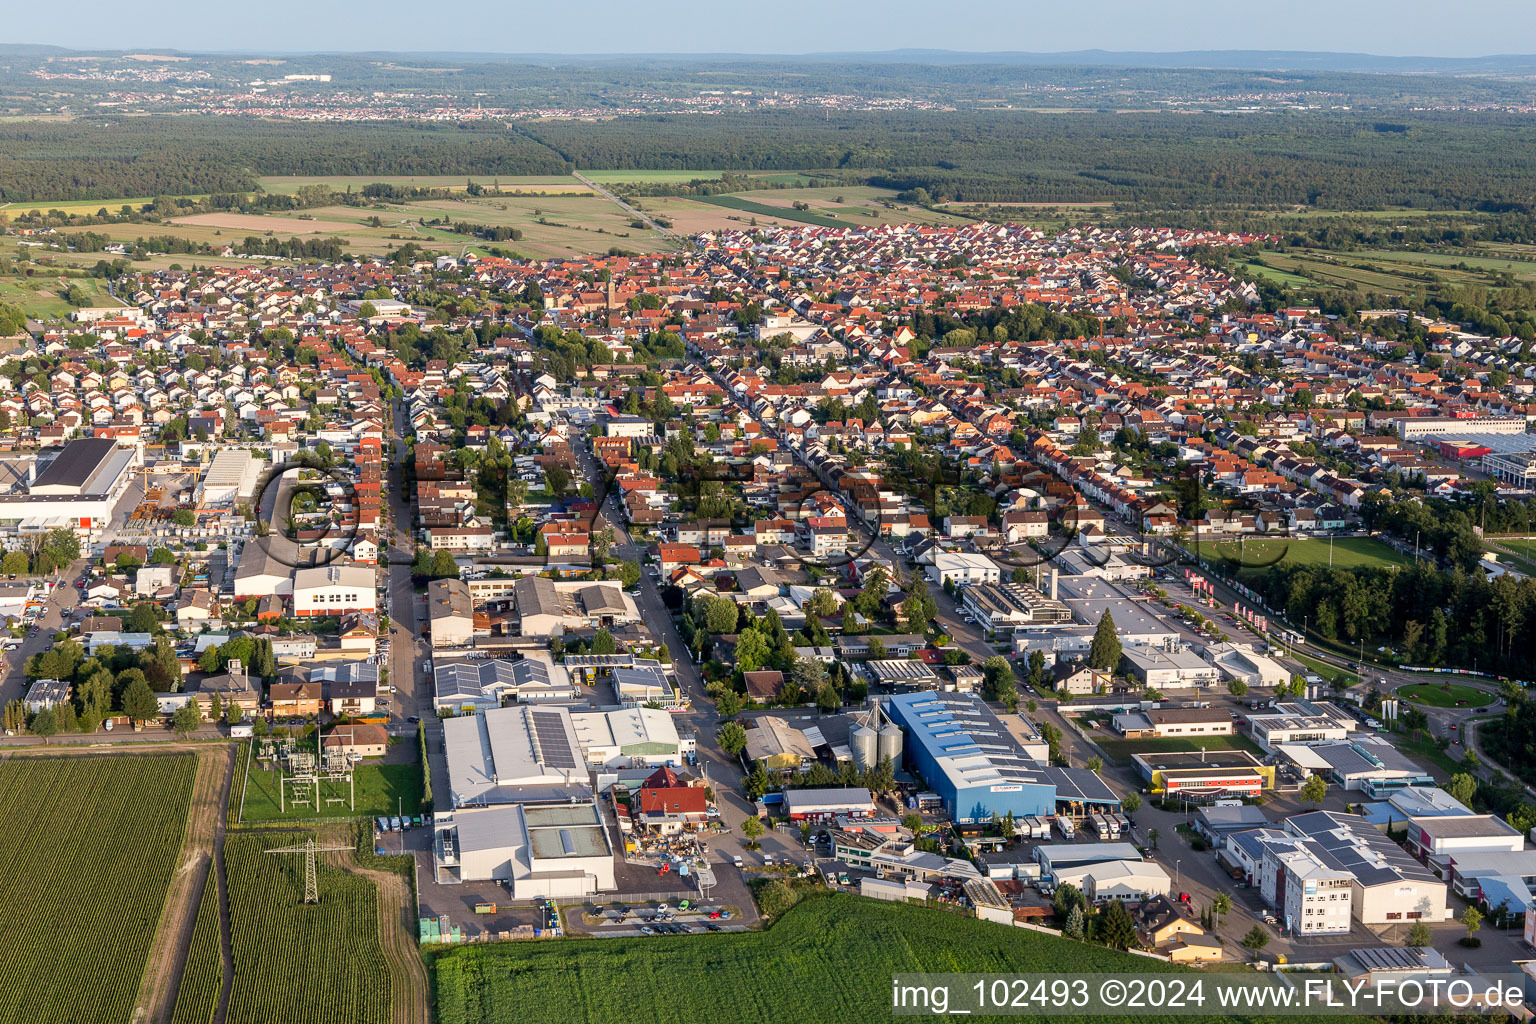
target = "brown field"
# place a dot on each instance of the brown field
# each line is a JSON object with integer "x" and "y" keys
{"x": 264, "y": 225}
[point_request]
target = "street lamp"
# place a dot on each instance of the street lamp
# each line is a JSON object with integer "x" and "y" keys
{"x": 1176, "y": 875}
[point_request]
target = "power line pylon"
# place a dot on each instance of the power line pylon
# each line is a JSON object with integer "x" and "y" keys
{"x": 309, "y": 850}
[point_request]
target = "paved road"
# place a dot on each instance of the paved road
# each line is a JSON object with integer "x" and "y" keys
{"x": 408, "y": 650}
{"x": 640, "y": 214}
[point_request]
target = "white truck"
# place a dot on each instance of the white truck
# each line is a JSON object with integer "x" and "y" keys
{"x": 1065, "y": 827}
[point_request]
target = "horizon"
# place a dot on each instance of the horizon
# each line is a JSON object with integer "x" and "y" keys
{"x": 688, "y": 28}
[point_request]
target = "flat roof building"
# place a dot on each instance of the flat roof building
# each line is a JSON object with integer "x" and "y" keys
{"x": 630, "y": 738}
{"x": 556, "y": 851}
{"x": 515, "y": 754}
{"x": 979, "y": 768}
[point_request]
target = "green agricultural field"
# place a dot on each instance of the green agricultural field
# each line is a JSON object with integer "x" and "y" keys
{"x": 830, "y": 958}
{"x": 1277, "y": 276}
{"x": 1120, "y": 751}
{"x": 319, "y": 963}
{"x": 381, "y": 789}
{"x": 202, "y": 979}
{"x": 89, "y": 856}
{"x": 1347, "y": 552}
{"x": 1445, "y": 695}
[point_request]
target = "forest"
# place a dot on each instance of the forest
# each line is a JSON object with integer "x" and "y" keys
{"x": 1338, "y": 161}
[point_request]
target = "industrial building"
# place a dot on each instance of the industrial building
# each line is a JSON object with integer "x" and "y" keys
{"x": 965, "y": 754}
{"x": 516, "y": 754}
{"x": 470, "y": 686}
{"x": 827, "y": 804}
{"x": 548, "y": 608}
{"x": 230, "y": 478}
{"x": 1173, "y": 669}
{"x": 555, "y": 851}
{"x": 1205, "y": 776}
{"x": 1387, "y": 884}
{"x": 1515, "y": 468}
{"x": 1243, "y": 663}
{"x": 77, "y": 488}
{"x": 631, "y": 738}
{"x": 1366, "y": 763}
{"x": 1005, "y": 606}
{"x": 1162, "y": 723}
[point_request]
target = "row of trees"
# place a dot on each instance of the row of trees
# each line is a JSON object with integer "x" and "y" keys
{"x": 1414, "y": 609}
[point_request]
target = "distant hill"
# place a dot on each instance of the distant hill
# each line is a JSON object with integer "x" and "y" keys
{"x": 1245, "y": 60}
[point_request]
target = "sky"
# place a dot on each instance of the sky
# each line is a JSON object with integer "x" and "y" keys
{"x": 1400, "y": 27}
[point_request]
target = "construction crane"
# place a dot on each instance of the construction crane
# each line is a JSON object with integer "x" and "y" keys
{"x": 309, "y": 850}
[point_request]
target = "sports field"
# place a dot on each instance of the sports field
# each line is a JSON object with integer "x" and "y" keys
{"x": 1341, "y": 552}
{"x": 831, "y": 958}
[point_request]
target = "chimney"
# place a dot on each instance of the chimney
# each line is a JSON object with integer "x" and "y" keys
{"x": 1054, "y": 574}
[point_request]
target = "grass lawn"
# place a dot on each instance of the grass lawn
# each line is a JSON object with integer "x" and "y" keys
{"x": 1444, "y": 695}
{"x": 1120, "y": 751}
{"x": 1347, "y": 552}
{"x": 1425, "y": 750}
{"x": 381, "y": 789}
{"x": 831, "y": 958}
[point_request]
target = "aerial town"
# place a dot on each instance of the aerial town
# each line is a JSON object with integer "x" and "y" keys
{"x": 845, "y": 530}
{"x": 910, "y": 562}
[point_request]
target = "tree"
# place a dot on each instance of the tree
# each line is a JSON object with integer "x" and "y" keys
{"x": 1237, "y": 688}
{"x": 142, "y": 619}
{"x": 1131, "y": 803}
{"x": 1067, "y": 898}
{"x": 1419, "y": 935}
{"x": 556, "y": 479}
{"x": 1073, "y": 929}
{"x": 139, "y": 700}
{"x": 1314, "y": 789}
{"x": 827, "y": 700}
{"x": 45, "y": 724}
{"x": 752, "y": 828}
{"x": 15, "y": 716}
{"x": 719, "y": 614}
{"x": 629, "y": 573}
{"x": 1221, "y": 906}
{"x": 183, "y": 517}
{"x": 728, "y": 704}
{"x": 603, "y": 642}
{"x": 186, "y": 719}
{"x": 1462, "y": 786}
{"x": 234, "y": 713}
{"x": 1104, "y": 652}
{"x": 1094, "y": 764}
{"x": 1117, "y": 929}
{"x": 14, "y": 563}
{"x": 1256, "y": 939}
{"x": 1472, "y": 920}
{"x": 732, "y": 738}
